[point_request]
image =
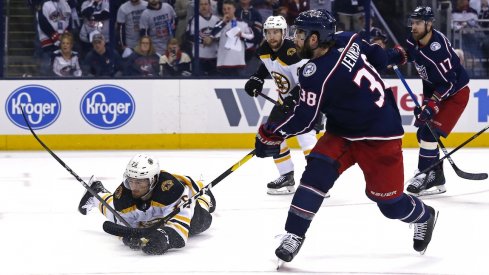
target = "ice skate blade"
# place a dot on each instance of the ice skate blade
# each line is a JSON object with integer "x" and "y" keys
{"x": 281, "y": 191}
{"x": 435, "y": 190}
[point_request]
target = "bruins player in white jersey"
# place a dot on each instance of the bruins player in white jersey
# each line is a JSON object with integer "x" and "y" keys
{"x": 280, "y": 60}
{"x": 148, "y": 194}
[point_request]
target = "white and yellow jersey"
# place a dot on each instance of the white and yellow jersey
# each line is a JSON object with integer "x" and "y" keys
{"x": 283, "y": 65}
{"x": 169, "y": 192}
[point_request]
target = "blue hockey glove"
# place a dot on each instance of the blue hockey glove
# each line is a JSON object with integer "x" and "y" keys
{"x": 267, "y": 144}
{"x": 156, "y": 242}
{"x": 429, "y": 109}
{"x": 254, "y": 86}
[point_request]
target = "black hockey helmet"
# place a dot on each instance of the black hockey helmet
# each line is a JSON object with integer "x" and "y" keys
{"x": 423, "y": 13}
{"x": 318, "y": 21}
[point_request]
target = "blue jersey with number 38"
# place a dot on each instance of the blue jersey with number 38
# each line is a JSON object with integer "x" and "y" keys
{"x": 345, "y": 85}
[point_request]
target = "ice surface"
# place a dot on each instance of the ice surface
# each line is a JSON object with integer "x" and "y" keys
{"x": 43, "y": 233}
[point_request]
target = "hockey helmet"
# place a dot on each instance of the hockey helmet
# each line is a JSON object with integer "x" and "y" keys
{"x": 319, "y": 21}
{"x": 142, "y": 166}
{"x": 424, "y": 13}
{"x": 276, "y": 22}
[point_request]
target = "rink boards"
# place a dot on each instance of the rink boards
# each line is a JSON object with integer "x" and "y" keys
{"x": 172, "y": 114}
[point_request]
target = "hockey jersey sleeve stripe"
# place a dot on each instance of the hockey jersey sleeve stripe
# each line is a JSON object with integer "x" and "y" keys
{"x": 307, "y": 152}
{"x": 280, "y": 160}
{"x": 157, "y": 204}
{"x": 108, "y": 199}
{"x": 129, "y": 209}
{"x": 181, "y": 229}
{"x": 281, "y": 62}
{"x": 265, "y": 56}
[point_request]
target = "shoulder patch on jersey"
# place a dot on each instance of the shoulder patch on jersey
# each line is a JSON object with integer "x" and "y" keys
{"x": 291, "y": 51}
{"x": 118, "y": 192}
{"x": 309, "y": 69}
{"x": 166, "y": 185}
{"x": 435, "y": 46}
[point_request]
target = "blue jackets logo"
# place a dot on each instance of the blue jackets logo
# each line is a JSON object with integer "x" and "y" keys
{"x": 41, "y": 106}
{"x": 107, "y": 107}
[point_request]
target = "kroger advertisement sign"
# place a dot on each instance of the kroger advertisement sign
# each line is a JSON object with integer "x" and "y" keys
{"x": 107, "y": 107}
{"x": 173, "y": 106}
{"x": 40, "y": 105}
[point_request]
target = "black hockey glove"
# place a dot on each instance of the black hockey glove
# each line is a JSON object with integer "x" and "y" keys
{"x": 254, "y": 86}
{"x": 156, "y": 242}
{"x": 267, "y": 144}
{"x": 133, "y": 243}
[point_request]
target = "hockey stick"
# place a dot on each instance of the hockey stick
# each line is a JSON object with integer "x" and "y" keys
{"x": 122, "y": 231}
{"x": 269, "y": 98}
{"x": 460, "y": 173}
{"x": 453, "y": 151}
{"x": 90, "y": 190}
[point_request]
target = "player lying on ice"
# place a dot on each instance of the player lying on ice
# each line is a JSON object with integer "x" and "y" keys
{"x": 148, "y": 194}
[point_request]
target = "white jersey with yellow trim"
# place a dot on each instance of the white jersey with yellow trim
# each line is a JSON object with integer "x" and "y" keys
{"x": 283, "y": 65}
{"x": 169, "y": 192}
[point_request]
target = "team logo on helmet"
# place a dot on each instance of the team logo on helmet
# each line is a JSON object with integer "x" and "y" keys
{"x": 166, "y": 185}
{"x": 107, "y": 107}
{"x": 309, "y": 69}
{"x": 435, "y": 46}
{"x": 40, "y": 104}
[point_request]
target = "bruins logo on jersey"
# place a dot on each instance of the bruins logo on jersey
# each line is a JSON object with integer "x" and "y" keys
{"x": 291, "y": 51}
{"x": 282, "y": 82}
{"x": 118, "y": 192}
{"x": 166, "y": 185}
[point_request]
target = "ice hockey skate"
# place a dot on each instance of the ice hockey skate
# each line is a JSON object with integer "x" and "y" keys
{"x": 88, "y": 201}
{"x": 283, "y": 185}
{"x": 424, "y": 231}
{"x": 430, "y": 183}
{"x": 289, "y": 247}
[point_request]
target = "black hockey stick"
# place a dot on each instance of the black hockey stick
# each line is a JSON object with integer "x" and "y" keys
{"x": 269, "y": 98}
{"x": 453, "y": 151}
{"x": 90, "y": 190}
{"x": 460, "y": 173}
{"x": 122, "y": 231}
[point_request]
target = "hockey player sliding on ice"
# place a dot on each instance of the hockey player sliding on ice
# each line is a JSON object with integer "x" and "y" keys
{"x": 445, "y": 94}
{"x": 280, "y": 60}
{"x": 148, "y": 194}
{"x": 363, "y": 127}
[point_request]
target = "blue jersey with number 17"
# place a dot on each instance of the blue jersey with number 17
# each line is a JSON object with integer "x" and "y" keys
{"x": 345, "y": 85}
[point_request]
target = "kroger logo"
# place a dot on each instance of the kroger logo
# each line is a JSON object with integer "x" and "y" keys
{"x": 107, "y": 107}
{"x": 41, "y": 106}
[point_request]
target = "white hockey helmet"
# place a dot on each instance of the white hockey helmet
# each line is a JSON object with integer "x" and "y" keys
{"x": 276, "y": 22}
{"x": 142, "y": 166}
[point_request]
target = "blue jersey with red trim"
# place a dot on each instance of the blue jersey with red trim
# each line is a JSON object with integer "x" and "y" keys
{"x": 438, "y": 65}
{"x": 345, "y": 85}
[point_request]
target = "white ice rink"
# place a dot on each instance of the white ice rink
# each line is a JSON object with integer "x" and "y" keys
{"x": 43, "y": 233}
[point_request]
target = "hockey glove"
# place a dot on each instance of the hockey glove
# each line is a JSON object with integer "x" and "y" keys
{"x": 156, "y": 242}
{"x": 429, "y": 109}
{"x": 267, "y": 144}
{"x": 254, "y": 86}
{"x": 401, "y": 53}
{"x": 133, "y": 243}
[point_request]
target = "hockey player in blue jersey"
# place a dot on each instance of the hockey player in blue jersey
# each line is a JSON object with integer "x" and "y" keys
{"x": 363, "y": 127}
{"x": 445, "y": 95}
{"x": 280, "y": 60}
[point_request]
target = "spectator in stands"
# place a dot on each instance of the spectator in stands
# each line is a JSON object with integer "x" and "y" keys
{"x": 349, "y": 13}
{"x": 53, "y": 19}
{"x": 463, "y": 16}
{"x": 231, "y": 32}
{"x": 266, "y": 7}
{"x": 100, "y": 61}
{"x": 294, "y": 7}
{"x": 376, "y": 35}
{"x": 321, "y": 4}
{"x": 207, "y": 43}
{"x": 95, "y": 14}
{"x": 128, "y": 17}
{"x": 143, "y": 61}
{"x": 183, "y": 14}
{"x": 65, "y": 60}
{"x": 158, "y": 21}
{"x": 484, "y": 15}
{"x": 175, "y": 62}
{"x": 246, "y": 13}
